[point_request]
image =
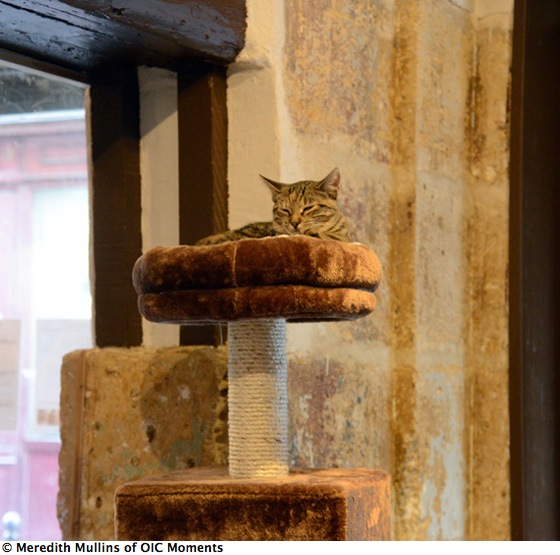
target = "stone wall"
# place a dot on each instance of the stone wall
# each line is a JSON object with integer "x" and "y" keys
{"x": 409, "y": 99}
{"x": 486, "y": 238}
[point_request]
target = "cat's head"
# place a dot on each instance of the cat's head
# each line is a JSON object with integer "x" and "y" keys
{"x": 308, "y": 207}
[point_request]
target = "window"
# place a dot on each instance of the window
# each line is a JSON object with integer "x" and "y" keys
{"x": 45, "y": 298}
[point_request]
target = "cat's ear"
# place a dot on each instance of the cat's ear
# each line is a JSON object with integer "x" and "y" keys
{"x": 331, "y": 183}
{"x": 274, "y": 186}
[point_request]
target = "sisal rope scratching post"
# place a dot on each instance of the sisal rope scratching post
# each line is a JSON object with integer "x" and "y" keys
{"x": 258, "y": 398}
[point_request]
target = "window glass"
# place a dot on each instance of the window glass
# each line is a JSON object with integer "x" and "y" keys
{"x": 45, "y": 299}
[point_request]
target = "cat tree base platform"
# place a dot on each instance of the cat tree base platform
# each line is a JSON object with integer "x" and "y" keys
{"x": 206, "y": 504}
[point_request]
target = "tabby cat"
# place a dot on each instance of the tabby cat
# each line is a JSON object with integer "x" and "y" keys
{"x": 301, "y": 208}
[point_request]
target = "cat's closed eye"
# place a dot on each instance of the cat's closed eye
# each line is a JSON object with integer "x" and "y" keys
{"x": 309, "y": 208}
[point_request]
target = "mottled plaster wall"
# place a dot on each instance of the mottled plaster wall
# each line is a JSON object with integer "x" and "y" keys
{"x": 408, "y": 98}
{"x": 486, "y": 337}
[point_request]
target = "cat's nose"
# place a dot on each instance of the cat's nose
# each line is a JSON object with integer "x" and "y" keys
{"x": 295, "y": 222}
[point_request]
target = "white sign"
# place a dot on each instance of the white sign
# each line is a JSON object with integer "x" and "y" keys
{"x": 9, "y": 374}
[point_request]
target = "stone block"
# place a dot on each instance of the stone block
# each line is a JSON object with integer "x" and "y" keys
{"x": 131, "y": 413}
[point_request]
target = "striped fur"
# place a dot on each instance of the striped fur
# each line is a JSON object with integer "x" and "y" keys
{"x": 305, "y": 207}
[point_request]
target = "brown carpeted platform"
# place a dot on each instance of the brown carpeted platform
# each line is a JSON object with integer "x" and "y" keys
{"x": 205, "y": 504}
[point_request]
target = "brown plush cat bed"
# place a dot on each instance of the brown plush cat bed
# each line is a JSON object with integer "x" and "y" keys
{"x": 299, "y": 278}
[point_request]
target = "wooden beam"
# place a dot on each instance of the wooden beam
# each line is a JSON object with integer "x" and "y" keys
{"x": 85, "y": 34}
{"x": 535, "y": 272}
{"x": 202, "y": 115}
{"x": 114, "y": 140}
{"x": 203, "y": 152}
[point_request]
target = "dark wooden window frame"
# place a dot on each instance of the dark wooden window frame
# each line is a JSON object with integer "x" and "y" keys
{"x": 101, "y": 44}
{"x": 535, "y": 272}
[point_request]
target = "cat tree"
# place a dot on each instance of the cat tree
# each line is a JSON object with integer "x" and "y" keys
{"x": 256, "y": 286}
